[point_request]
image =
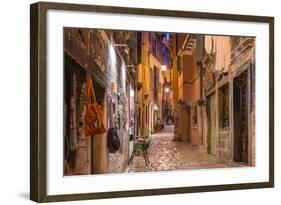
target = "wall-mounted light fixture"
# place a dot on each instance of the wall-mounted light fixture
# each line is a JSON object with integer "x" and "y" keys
{"x": 133, "y": 67}
{"x": 127, "y": 49}
{"x": 167, "y": 89}
{"x": 163, "y": 68}
{"x": 156, "y": 107}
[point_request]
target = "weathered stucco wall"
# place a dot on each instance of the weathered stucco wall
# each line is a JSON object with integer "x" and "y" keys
{"x": 224, "y": 144}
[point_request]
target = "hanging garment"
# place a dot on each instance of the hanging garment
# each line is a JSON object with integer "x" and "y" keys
{"x": 113, "y": 141}
{"x": 93, "y": 118}
{"x": 131, "y": 130}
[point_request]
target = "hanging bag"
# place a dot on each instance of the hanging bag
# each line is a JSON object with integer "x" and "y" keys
{"x": 93, "y": 117}
{"x": 113, "y": 142}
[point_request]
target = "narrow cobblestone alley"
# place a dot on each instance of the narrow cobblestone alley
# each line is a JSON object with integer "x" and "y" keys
{"x": 165, "y": 154}
{"x": 122, "y": 86}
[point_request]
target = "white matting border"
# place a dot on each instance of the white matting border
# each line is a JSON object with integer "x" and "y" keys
{"x": 57, "y": 184}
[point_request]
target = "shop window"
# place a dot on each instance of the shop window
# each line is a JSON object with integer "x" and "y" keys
{"x": 146, "y": 114}
{"x": 159, "y": 88}
{"x": 194, "y": 117}
{"x": 156, "y": 81}
{"x": 224, "y": 106}
{"x": 139, "y": 44}
{"x": 153, "y": 44}
{"x": 179, "y": 64}
{"x": 139, "y": 117}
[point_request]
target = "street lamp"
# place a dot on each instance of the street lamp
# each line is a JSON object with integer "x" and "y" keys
{"x": 156, "y": 107}
{"x": 167, "y": 89}
{"x": 133, "y": 67}
{"x": 127, "y": 49}
{"x": 163, "y": 68}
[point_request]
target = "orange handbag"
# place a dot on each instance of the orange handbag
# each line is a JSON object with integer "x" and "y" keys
{"x": 93, "y": 117}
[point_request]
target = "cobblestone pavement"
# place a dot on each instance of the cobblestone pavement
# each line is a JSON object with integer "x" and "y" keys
{"x": 165, "y": 154}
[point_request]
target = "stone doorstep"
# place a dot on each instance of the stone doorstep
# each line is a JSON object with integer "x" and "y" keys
{"x": 202, "y": 148}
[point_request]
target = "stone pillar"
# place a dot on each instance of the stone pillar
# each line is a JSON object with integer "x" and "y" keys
{"x": 231, "y": 118}
{"x": 99, "y": 145}
{"x": 217, "y": 117}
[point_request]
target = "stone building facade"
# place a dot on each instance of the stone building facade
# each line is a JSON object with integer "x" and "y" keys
{"x": 154, "y": 72}
{"x": 243, "y": 77}
{"x": 215, "y": 95}
{"x": 229, "y": 95}
{"x": 109, "y": 58}
{"x": 204, "y": 85}
{"x": 189, "y": 120}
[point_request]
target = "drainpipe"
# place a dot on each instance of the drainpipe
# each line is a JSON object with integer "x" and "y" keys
{"x": 201, "y": 98}
{"x": 201, "y": 91}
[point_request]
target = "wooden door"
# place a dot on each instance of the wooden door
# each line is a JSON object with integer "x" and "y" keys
{"x": 240, "y": 102}
{"x": 211, "y": 123}
{"x": 188, "y": 124}
{"x": 213, "y": 149}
